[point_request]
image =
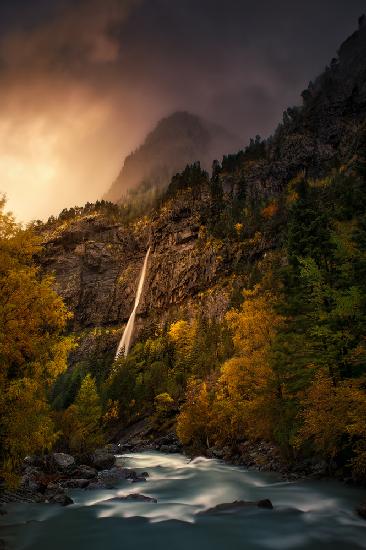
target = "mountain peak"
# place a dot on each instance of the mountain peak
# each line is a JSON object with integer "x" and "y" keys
{"x": 177, "y": 140}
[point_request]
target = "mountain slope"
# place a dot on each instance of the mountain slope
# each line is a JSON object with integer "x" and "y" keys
{"x": 177, "y": 140}
{"x": 252, "y": 313}
{"x": 96, "y": 259}
{"x": 321, "y": 133}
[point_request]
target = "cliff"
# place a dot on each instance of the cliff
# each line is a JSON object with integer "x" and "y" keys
{"x": 97, "y": 263}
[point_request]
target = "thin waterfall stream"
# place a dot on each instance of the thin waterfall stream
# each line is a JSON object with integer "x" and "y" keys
{"x": 125, "y": 341}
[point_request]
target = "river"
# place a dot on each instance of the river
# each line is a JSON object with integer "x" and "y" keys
{"x": 307, "y": 514}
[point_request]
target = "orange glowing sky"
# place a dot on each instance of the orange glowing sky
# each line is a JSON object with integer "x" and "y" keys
{"x": 82, "y": 81}
{"x": 63, "y": 153}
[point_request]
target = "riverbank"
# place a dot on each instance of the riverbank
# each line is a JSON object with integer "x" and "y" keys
{"x": 49, "y": 479}
{"x": 259, "y": 455}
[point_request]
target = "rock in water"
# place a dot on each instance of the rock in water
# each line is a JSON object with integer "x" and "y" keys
{"x": 237, "y": 505}
{"x": 361, "y": 510}
{"x": 265, "y": 503}
{"x": 102, "y": 460}
{"x": 61, "y": 498}
{"x": 132, "y": 496}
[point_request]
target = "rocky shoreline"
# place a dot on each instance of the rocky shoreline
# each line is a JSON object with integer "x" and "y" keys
{"x": 259, "y": 455}
{"x": 47, "y": 479}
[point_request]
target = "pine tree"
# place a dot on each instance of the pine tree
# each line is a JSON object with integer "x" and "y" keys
{"x": 81, "y": 422}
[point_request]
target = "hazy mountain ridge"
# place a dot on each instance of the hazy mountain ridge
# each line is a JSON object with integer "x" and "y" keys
{"x": 177, "y": 140}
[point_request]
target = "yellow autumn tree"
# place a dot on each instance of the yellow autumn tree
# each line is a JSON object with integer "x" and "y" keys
{"x": 193, "y": 425}
{"x": 33, "y": 350}
{"x": 244, "y": 389}
{"x": 182, "y": 334}
{"x": 331, "y": 414}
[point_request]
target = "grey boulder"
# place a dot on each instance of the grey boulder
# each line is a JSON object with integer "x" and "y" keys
{"x": 102, "y": 460}
{"x": 61, "y": 462}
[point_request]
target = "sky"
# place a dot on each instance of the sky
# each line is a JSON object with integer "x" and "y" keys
{"x": 83, "y": 81}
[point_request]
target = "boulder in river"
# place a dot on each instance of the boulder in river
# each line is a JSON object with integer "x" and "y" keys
{"x": 34, "y": 461}
{"x": 265, "y": 503}
{"x": 102, "y": 460}
{"x": 32, "y": 480}
{"x": 60, "y": 498}
{"x": 214, "y": 452}
{"x": 137, "y": 479}
{"x": 108, "y": 479}
{"x": 237, "y": 505}
{"x": 137, "y": 497}
{"x": 361, "y": 510}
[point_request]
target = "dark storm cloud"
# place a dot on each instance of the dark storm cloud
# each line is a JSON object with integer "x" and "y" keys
{"x": 215, "y": 56}
{"x": 81, "y": 81}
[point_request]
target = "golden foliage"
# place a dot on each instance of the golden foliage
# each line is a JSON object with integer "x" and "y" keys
{"x": 331, "y": 413}
{"x": 270, "y": 210}
{"x": 194, "y": 418}
{"x": 239, "y": 401}
{"x": 26, "y": 423}
{"x": 32, "y": 349}
{"x": 182, "y": 334}
{"x": 244, "y": 388}
{"x": 255, "y": 325}
{"x": 163, "y": 403}
{"x": 239, "y": 228}
{"x": 112, "y": 412}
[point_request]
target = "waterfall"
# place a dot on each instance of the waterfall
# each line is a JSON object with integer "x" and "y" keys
{"x": 127, "y": 333}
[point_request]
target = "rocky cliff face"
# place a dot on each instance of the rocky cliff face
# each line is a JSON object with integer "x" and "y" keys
{"x": 97, "y": 262}
{"x": 323, "y": 132}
